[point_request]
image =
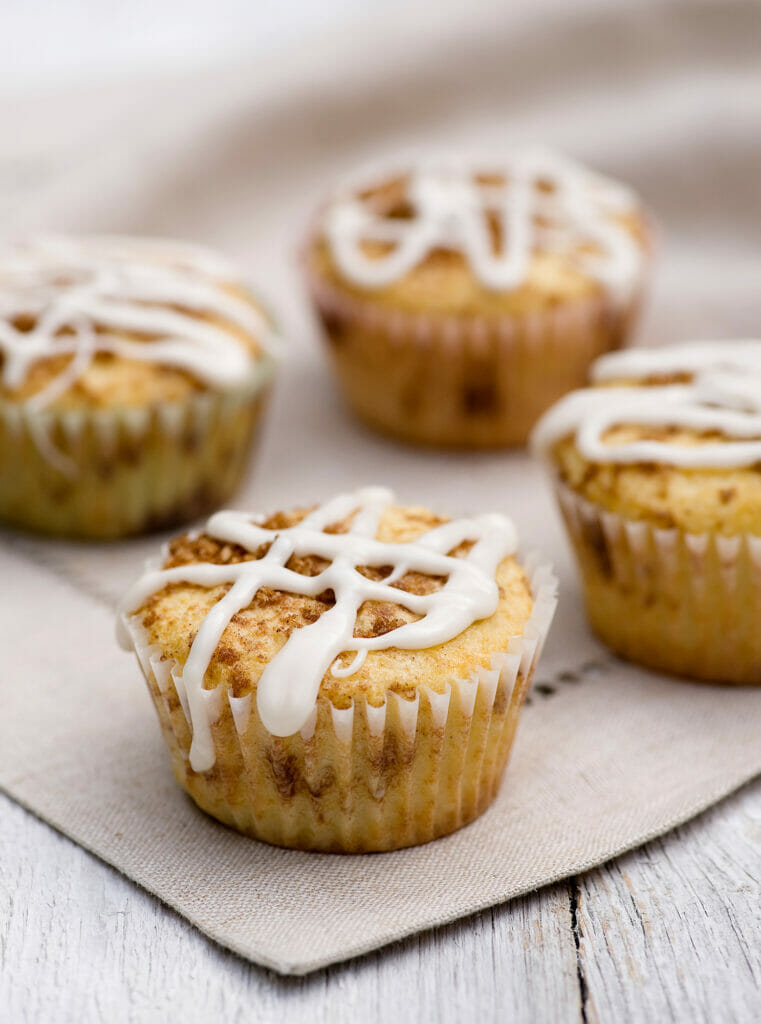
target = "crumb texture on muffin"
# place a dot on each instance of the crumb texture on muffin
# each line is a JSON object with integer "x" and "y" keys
{"x": 365, "y": 596}
{"x": 536, "y": 230}
{"x": 671, "y": 436}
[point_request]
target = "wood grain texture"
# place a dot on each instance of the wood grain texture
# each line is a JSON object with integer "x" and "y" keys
{"x": 673, "y": 930}
{"x": 669, "y": 932}
{"x": 80, "y": 943}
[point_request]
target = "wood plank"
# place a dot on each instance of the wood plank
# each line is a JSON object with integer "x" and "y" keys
{"x": 78, "y": 942}
{"x": 673, "y": 931}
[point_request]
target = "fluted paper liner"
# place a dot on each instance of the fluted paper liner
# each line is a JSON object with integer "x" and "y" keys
{"x": 683, "y": 603}
{"x": 463, "y": 381}
{"x": 113, "y": 472}
{"x": 357, "y": 778}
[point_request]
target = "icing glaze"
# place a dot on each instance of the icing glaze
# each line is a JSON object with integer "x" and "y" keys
{"x": 721, "y": 392}
{"x": 545, "y": 204}
{"x": 288, "y": 687}
{"x": 81, "y": 296}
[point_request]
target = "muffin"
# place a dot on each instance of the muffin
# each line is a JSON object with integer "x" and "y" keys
{"x": 459, "y": 302}
{"x": 342, "y": 678}
{"x": 658, "y": 471}
{"x": 133, "y": 375}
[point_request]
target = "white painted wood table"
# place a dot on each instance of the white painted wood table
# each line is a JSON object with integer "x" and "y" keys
{"x": 669, "y": 932}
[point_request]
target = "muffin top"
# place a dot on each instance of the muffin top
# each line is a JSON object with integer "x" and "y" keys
{"x": 358, "y": 597}
{"x": 508, "y": 236}
{"x": 102, "y": 322}
{"x": 671, "y": 436}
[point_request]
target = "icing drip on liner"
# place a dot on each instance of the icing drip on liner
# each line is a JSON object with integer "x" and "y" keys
{"x": 722, "y": 395}
{"x": 546, "y": 204}
{"x": 288, "y": 687}
{"x": 94, "y": 289}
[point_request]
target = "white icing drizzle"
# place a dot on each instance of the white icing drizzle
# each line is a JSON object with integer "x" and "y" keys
{"x": 288, "y": 687}
{"x": 723, "y": 394}
{"x": 83, "y": 293}
{"x": 449, "y": 206}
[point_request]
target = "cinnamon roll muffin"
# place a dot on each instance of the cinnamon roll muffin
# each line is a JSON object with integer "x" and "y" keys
{"x": 345, "y": 678}
{"x": 657, "y": 472}
{"x": 460, "y": 301}
{"x": 133, "y": 375}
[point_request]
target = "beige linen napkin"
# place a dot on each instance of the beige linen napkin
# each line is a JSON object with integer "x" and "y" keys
{"x": 606, "y": 757}
{"x": 665, "y": 95}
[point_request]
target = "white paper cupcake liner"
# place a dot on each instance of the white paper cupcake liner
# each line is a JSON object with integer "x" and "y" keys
{"x": 683, "y": 603}
{"x": 111, "y": 472}
{"x": 358, "y": 777}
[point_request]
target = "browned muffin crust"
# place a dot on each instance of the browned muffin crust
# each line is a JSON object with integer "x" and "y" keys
{"x": 112, "y": 380}
{"x": 443, "y": 281}
{"x": 173, "y": 615}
